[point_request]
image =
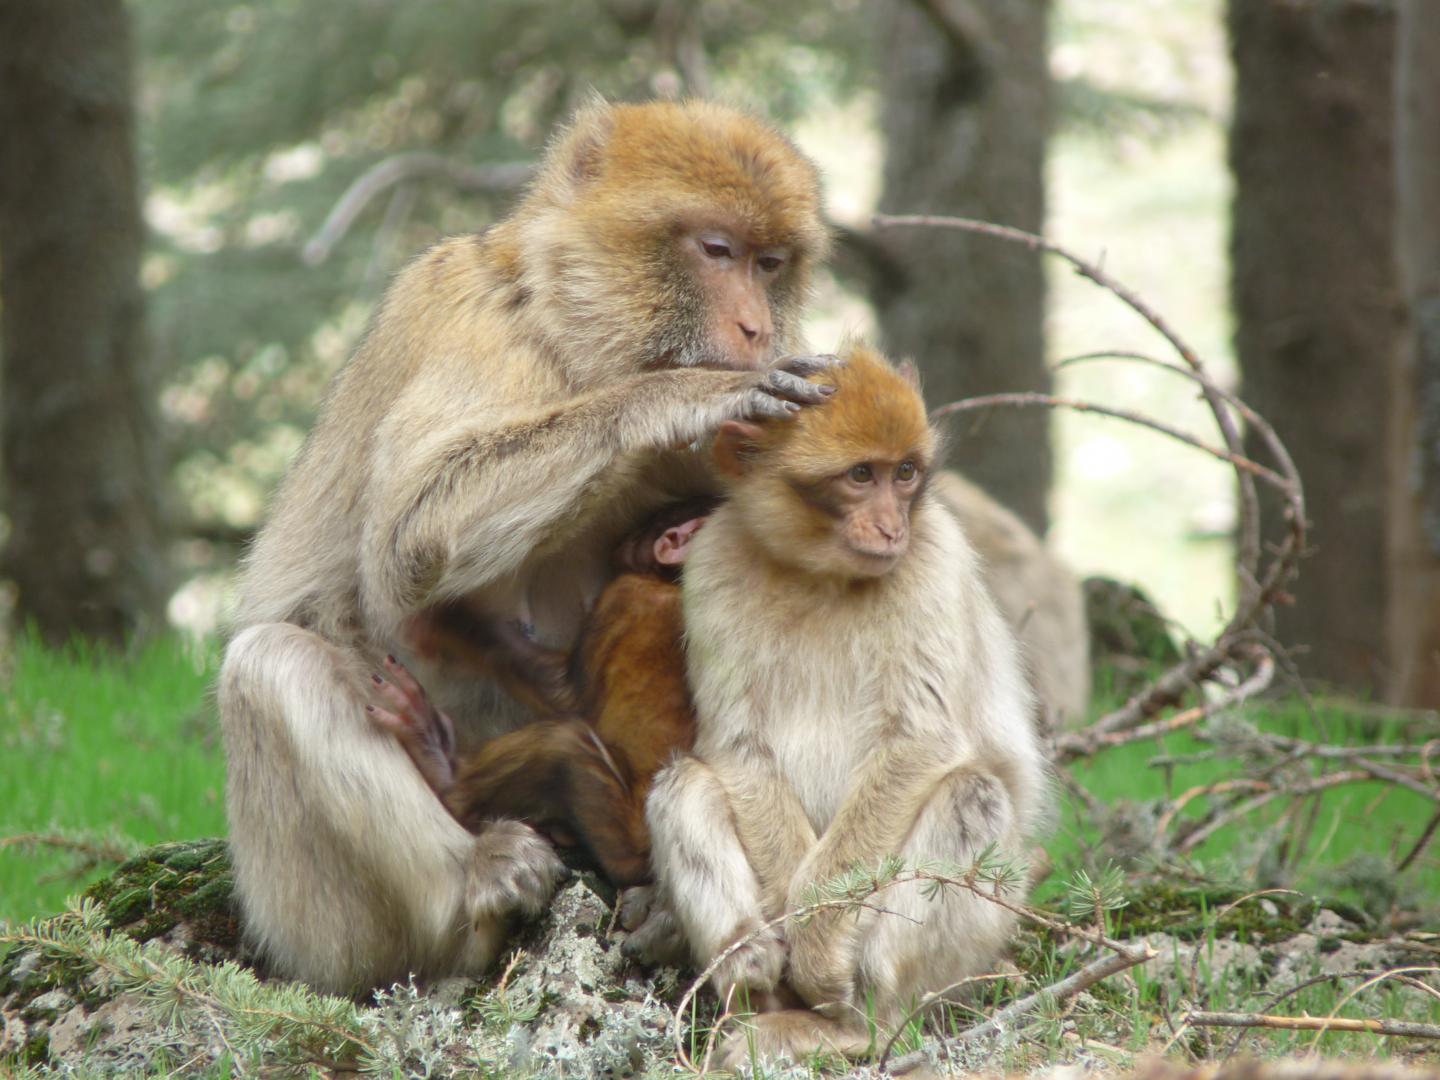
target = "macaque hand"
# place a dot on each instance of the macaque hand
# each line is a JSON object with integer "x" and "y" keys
{"x": 426, "y": 733}
{"x": 808, "y": 365}
{"x": 784, "y": 390}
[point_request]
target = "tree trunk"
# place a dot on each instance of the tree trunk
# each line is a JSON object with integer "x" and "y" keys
{"x": 1314, "y": 293}
{"x": 1414, "y": 520}
{"x": 81, "y": 484}
{"x": 966, "y": 116}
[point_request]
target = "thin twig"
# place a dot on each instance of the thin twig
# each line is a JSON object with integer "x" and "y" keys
{"x": 1249, "y": 541}
{"x": 1027, "y": 399}
{"x": 1420, "y": 844}
{"x": 1065, "y": 989}
{"x": 929, "y": 1000}
{"x": 1072, "y": 745}
{"x": 500, "y": 179}
{"x": 1313, "y": 1023}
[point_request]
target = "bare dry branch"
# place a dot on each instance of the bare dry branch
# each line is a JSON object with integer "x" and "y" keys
{"x": 405, "y": 168}
{"x": 1066, "y": 988}
{"x": 1314, "y": 1023}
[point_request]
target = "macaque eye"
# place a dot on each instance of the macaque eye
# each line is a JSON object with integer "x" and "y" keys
{"x": 771, "y": 263}
{"x": 862, "y": 474}
{"x": 716, "y": 249}
{"x": 906, "y": 472}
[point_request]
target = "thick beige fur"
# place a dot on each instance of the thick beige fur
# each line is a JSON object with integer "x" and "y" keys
{"x": 1038, "y": 594}
{"x": 514, "y": 410}
{"x": 841, "y": 721}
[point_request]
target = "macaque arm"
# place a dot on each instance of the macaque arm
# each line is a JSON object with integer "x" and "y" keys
{"x": 461, "y": 507}
{"x": 704, "y": 872}
{"x": 871, "y": 823}
{"x": 772, "y": 827}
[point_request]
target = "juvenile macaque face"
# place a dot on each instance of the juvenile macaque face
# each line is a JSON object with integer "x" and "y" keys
{"x": 832, "y": 494}
{"x": 868, "y": 510}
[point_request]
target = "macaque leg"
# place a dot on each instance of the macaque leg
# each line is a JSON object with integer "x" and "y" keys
{"x": 711, "y": 887}
{"x": 933, "y": 942}
{"x": 558, "y": 772}
{"x": 349, "y": 872}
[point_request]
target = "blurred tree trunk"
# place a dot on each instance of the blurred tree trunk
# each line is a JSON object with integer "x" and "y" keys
{"x": 1314, "y": 293}
{"x": 966, "y": 117}
{"x": 81, "y": 485}
{"x": 1415, "y": 419}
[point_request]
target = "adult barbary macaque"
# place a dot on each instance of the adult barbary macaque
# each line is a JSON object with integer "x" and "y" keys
{"x": 896, "y": 720}
{"x": 516, "y": 407}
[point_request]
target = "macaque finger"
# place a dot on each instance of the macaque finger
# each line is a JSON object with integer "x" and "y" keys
{"x": 398, "y": 726}
{"x": 794, "y": 388}
{"x": 407, "y": 684}
{"x": 809, "y": 365}
{"x": 759, "y": 405}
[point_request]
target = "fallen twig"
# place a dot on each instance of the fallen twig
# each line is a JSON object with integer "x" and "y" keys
{"x": 1063, "y": 990}
{"x": 1314, "y": 1023}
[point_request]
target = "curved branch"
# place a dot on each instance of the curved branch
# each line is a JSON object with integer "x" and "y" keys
{"x": 500, "y": 179}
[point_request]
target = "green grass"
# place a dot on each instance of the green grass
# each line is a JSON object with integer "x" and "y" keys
{"x": 1355, "y": 833}
{"x": 96, "y": 741}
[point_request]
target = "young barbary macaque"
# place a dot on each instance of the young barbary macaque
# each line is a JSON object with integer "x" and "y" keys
{"x": 895, "y": 720}
{"x": 523, "y": 398}
{"x": 611, "y": 713}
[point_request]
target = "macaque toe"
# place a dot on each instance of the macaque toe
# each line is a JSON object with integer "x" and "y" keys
{"x": 634, "y": 904}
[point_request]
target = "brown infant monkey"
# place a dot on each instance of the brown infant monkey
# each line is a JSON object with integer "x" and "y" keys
{"x": 610, "y": 714}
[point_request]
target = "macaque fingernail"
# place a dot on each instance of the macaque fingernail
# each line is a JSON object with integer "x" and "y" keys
{"x": 370, "y": 708}
{"x": 377, "y": 680}
{"x": 792, "y": 406}
{"x": 828, "y": 390}
{"x": 389, "y": 659}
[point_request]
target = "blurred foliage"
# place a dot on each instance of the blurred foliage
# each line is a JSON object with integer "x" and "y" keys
{"x": 257, "y": 117}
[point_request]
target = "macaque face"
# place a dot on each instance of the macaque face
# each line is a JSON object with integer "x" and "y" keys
{"x": 735, "y": 277}
{"x": 867, "y": 510}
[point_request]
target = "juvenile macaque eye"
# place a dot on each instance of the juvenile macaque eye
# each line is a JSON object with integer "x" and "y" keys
{"x": 716, "y": 249}
{"x": 906, "y": 472}
{"x": 862, "y": 474}
{"x": 770, "y": 263}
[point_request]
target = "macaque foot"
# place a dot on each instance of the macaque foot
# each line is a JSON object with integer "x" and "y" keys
{"x": 426, "y": 733}
{"x": 756, "y": 965}
{"x": 658, "y": 940}
{"x": 634, "y": 905}
{"x": 513, "y": 870}
{"x": 793, "y": 1034}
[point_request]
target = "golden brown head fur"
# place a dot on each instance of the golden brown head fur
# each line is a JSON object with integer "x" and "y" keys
{"x": 572, "y": 245}
{"x": 876, "y": 414}
{"x": 795, "y": 502}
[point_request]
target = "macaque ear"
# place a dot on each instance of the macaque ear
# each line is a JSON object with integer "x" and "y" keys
{"x": 580, "y": 152}
{"x": 910, "y": 373}
{"x": 736, "y": 443}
